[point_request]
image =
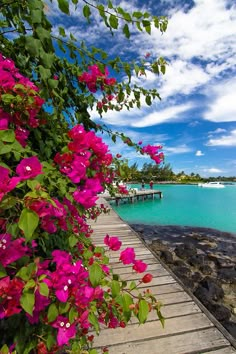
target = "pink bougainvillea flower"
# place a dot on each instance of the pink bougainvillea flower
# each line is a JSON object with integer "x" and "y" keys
{"x": 11, "y": 250}
{"x": 21, "y": 135}
{"x": 127, "y": 256}
{"x": 139, "y": 266}
{"x": 85, "y": 197}
{"x": 10, "y": 304}
{"x": 147, "y": 278}
{"x": 66, "y": 330}
{"x": 6, "y": 183}
{"x": 112, "y": 242}
{"x": 3, "y": 124}
{"x": 40, "y": 303}
{"x": 29, "y": 167}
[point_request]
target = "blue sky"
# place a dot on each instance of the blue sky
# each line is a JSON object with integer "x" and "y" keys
{"x": 196, "y": 119}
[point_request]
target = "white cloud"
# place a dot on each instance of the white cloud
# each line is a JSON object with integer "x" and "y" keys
{"x": 218, "y": 131}
{"x": 180, "y": 149}
{"x": 224, "y": 140}
{"x": 182, "y": 77}
{"x": 199, "y": 153}
{"x": 212, "y": 170}
{"x": 161, "y": 116}
{"x": 139, "y": 118}
{"x": 222, "y": 107}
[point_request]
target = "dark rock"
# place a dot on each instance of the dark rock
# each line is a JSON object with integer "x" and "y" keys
{"x": 196, "y": 277}
{"x": 185, "y": 251}
{"x": 220, "y": 312}
{"x": 231, "y": 327}
{"x": 179, "y": 263}
{"x": 187, "y": 281}
{"x": 206, "y": 269}
{"x": 203, "y": 295}
{"x": 139, "y": 229}
{"x": 215, "y": 291}
{"x": 182, "y": 271}
{"x": 224, "y": 263}
{"x": 198, "y": 260}
{"x": 227, "y": 275}
{"x": 167, "y": 256}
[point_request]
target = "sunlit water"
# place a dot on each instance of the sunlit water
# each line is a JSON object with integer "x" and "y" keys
{"x": 187, "y": 205}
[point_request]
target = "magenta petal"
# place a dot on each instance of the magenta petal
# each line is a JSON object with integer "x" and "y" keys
{"x": 62, "y": 295}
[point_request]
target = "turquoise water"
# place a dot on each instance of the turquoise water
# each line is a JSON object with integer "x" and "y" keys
{"x": 187, "y": 205}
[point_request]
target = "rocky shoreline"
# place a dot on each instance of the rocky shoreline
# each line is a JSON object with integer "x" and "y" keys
{"x": 204, "y": 260}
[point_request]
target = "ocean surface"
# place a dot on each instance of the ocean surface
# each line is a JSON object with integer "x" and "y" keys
{"x": 185, "y": 205}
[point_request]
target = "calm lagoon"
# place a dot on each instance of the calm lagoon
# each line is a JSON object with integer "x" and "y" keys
{"x": 186, "y": 205}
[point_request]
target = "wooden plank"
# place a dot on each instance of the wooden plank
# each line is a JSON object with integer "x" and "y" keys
{"x": 153, "y": 329}
{"x": 173, "y": 310}
{"x": 173, "y": 298}
{"x": 151, "y": 268}
{"x": 227, "y": 350}
{"x": 137, "y": 276}
{"x": 196, "y": 342}
{"x": 149, "y": 261}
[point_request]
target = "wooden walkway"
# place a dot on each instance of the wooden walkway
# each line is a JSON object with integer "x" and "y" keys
{"x": 134, "y": 195}
{"x": 188, "y": 330}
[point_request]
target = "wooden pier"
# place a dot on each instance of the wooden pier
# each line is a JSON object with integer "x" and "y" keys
{"x": 189, "y": 327}
{"x": 134, "y": 195}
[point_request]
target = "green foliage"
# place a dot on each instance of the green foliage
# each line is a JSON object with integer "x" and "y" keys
{"x": 28, "y": 222}
{"x": 39, "y": 55}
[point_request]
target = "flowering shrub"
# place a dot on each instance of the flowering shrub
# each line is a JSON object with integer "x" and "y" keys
{"x": 54, "y": 282}
{"x": 56, "y": 286}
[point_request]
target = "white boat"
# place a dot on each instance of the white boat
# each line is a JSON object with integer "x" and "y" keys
{"x": 211, "y": 185}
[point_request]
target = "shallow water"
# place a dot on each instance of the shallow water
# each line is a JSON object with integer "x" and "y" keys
{"x": 186, "y": 205}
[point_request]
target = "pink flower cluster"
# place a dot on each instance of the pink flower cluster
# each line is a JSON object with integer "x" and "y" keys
{"x": 18, "y": 114}
{"x": 95, "y": 79}
{"x": 122, "y": 189}
{"x": 152, "y": 151}
{"x": 87, "y": 153}
{"x": 29, "y": 167}
{"x": 127, "y": 256}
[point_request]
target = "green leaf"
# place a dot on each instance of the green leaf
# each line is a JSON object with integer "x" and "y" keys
{"x": 143, "y": 311}
{"x": 137, "y": 14}
{"x": 148, "y": 100}
{"x": 44, "y": 37}
{"x": 30, "y": 284}
{"x": 43, "y": 289}
{"x": 126, "y": 31}
{"x": 36, "y": 16}
{"x": 28, "y": 222}
{"x": 46, "y": 59}
{"x": 52, "y": 312}
{"x": 44, "y": 73}
{"x": 73, "y": 314}
{"x": 32, "y": 184}
{"x": 147, "y": 26}
{"x": 73, "y": 240}
{"x": 94, "y": 321}
{"x": 27, "y": 301}
{"x": 7, "y": 136}
{"x": 3, "y": 272}
{"x": 95, "y": 274}
{"x": 126, "y": 302}
{"x": 32, "y": 45}
{"x": 86, "y": 11}
{"x": 8, "y": 202}
{"x": 115, "y": 288}
{"x": 64, "y": 6}
{"x": 62, "y": 31}
{"x": 26, "y": 272}
{"x": 114, "y": 22}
